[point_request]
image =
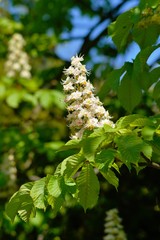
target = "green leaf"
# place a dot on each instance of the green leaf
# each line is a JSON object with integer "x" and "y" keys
{"x": 145, "y": 35}
{"x": 14, "y": 98}
{"x": 129, "y": 92}
{"x": 111, "y": 83}
{"x": 141, "y": 68}
{"x": 58, "y": 99}
{"x": 45, "y": 98}
{"x": 140, "y": 122}
{"x": 55, "y": 203}
{"x": 21, "y": 203}
{"x": 71, "y": 144}
{"x": 148, "y": 132}
{"x": 30, "y": 99}
{"x": 156, "y": 144}
{"x": 72, "y": 164}
{"x": 53, "y": 186}
{"x": 148, "y": 3}
{"x": 156, "y": 91}
{"x": 110, "y": 176}
{"x": 91, "y": 144}
{"x": 123, "y": 122}
{"x": 105, "y": 158}
{"x": 13, "y": 206}
{"x": 129, "y": 146}
{"x": 120, "y": 30}
{"x": 154, "y": 75}
{"x": 88, "y": 187}
{"x": 2, "y": 91}
{"x": 147, "y": 150}
{"x": 38, "y": 193}
{"x": 69, "y": 186}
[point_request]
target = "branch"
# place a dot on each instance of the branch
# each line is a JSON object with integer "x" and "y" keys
{"x": 150, "y": 163}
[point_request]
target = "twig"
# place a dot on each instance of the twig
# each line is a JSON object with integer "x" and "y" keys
{"x": 151, "y": 163}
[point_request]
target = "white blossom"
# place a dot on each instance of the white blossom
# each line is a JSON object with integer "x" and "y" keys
{"x": 113, "y": 227}
{"x": 17, "y": 64}
{"x": 85, "y": 111}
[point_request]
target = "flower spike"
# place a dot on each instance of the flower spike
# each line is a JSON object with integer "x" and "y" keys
{"x": 85, "y": 111}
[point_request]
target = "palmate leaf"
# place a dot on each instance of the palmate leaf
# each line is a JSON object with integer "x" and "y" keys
{"x": 38, "y": 193}
{"x": 88, "y": 187}
{"x": 21, "y": 203}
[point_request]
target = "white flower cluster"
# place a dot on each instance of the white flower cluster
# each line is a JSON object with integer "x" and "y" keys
{"x": 85, "y": 111}
{"x": 9, "y": 169}
{"x": 113, "y": 228}
{"x": 17, "y": 64}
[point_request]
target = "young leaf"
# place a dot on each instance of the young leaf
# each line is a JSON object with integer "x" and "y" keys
{"x": 88, "y": 187}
